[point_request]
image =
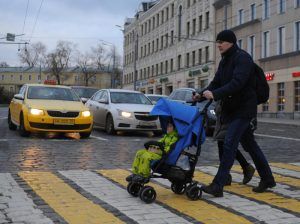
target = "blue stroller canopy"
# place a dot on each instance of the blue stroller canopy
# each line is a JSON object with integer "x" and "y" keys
{"x": 187, "y": 120}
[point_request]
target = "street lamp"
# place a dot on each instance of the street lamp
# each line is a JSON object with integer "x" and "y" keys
{"x": 112, "y": 81}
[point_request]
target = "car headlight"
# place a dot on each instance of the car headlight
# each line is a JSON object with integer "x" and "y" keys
{"x": 125, "y": 114}
{"x": 86, "y": 113}
{"x": 212, "y": 112}
{"x": 36, "y": 111}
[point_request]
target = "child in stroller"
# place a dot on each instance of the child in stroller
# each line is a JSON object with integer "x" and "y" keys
{"x": 189, "y": 123}
{"x": 153, "y": 151}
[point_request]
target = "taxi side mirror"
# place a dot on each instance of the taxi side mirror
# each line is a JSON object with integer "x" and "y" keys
{"x": 19, "y": 97}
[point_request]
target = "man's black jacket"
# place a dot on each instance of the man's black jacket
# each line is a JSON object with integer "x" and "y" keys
{"x": 234, "y": 84}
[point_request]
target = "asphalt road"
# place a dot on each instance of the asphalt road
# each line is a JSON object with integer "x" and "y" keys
{"x": 62, "y": 152}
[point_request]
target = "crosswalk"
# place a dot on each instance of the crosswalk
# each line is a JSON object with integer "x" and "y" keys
{"x": 100, "y": 196}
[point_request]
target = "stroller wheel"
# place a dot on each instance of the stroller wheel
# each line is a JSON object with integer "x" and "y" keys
{"x": 178, "y": 188}
{"x": 194, "y": 192}
{"x": 133, "y": 188}
{"x": 147, "y": 194}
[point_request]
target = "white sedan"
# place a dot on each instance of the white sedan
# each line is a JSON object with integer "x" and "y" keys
{"x": 122, "y": 110}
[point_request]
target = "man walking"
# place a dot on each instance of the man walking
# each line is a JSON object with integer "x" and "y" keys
{"x": 234, "y": 85}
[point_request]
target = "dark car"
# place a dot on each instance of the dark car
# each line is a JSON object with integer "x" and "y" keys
{"x": 84, "y": 92}
{"x": 184, "y": 95}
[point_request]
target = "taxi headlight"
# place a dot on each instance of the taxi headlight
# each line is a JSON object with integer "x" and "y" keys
{"x": 34, "y": 111}
{"x": 86, "y": 113}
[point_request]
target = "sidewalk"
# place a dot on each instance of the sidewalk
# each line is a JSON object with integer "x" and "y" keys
{"x": 279, "y": 121}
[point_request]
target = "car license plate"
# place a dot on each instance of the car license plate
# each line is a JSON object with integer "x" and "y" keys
{"x": 147, "y": 124}
{"x": 63, "y": 121}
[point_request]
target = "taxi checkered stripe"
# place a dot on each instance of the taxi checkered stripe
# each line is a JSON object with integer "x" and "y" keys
{"x": 100, "y": 196}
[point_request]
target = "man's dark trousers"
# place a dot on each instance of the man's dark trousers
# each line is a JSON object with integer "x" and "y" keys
{"x": 234, "y": 133}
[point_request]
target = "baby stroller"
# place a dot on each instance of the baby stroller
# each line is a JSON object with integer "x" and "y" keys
{"x": 189, "y": 122}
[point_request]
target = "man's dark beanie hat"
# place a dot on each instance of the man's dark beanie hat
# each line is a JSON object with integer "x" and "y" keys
{"x": 226, "y": 35}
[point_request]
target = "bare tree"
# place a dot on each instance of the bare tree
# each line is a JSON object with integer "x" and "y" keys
{"x": 59, "y": 59}
{"x": 87, "y": 66}
{"x": 3, "y": 64}
{"x": 99, "y": 56}
{"x": 33, "y": 54}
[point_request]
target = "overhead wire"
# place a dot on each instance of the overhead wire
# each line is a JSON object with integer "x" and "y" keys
{"x": 36, "y": 18}
{"x": 25, "y": 17}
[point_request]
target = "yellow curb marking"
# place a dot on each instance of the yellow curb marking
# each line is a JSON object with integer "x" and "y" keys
{"x": 278, "y": 177}
{"x": 286, "y": 166}
{"x": 267, "y": 197}
{"x": 68, "y": 203}
{"x": 199, "y": 210}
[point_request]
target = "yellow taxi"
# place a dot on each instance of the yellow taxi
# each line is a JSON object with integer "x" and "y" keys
{"x": 49, "y": 108}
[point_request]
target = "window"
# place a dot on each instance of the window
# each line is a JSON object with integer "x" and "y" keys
{"x": 297, "y": 3}
{"x": 152, "y": 70}
{"x": 203, "y": 83}
{"x": 162, "y": 16}
{"x": 297, "y": 36}
{"x": 281, "y": 40}
{"x": 199, "y": 56}
{"x": 265, "y": 106}
{"x": 167, "y": 40}
{"x": 161, "y": 68}
{"x": 187, "y": 64}
{"x": 194, "y": 27}
{"x": 200, "y": 23}
{"x": 193, "y": 58}
{"x": 179, "y": 62}
{"x": 153, "y": 23}
{"x": 2, "y": 77}
{"x": 157, "y": 43}
{"x": 266, "y": 44}
{"x": 252, "y": 12}
{"x": 251, "y": 46}
{"x": 172, "y": 37}
{"x": 172, "y": 10}
{"x": 240, "y": 17}
{"x": 280, "y": 97}
{"x": 281, "y": 6}
{"x": 167, "y": 13}
{"x": 172, "y": 65}
{"x": 266, "y": 8}
{"x": 21, "y": 77}
{"x": 157, "y": 20}
{"x": 206, "y": 20}
{"x": 188, "y": 29}
{"x": 166, "y": 67}
{"x": 29, "y": 77}
{"x": 240, "y": 43}
{"x": 225, "y": 16}
{"x": 179, "y": 22}
{"x": 206, "y": 54}
{"x": 161, "y": 42}
{"x": 39, "y": 77}
{"x": 156, "y": 69}
{"x": 297, "y": 96}
{"x": 188, "y": 3}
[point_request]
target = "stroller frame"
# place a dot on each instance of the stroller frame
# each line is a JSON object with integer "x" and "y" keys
{"x": 181, "y": 180}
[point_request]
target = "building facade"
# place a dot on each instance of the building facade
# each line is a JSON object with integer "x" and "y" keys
{"x": 169, "y": 44}
{"x": 269, "y": 30}
{"x": 12, "y": 78}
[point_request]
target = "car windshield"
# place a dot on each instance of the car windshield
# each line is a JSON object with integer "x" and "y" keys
{"x": 85, "y": 92}
{"x": 51, "y": 93}
{"x": 132, "y": 98}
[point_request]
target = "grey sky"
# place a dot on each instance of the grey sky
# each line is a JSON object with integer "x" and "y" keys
{"x": 84, "y": 22}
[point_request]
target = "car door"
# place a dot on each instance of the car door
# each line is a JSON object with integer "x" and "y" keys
{"x": 93, "y": 104}
{"x": 102, "y": 109}
{"x": 17, "y": 105}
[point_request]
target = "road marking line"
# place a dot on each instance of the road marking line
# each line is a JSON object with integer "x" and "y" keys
{"x": 102, "y": 139}
{"x": 286, "y": 172}
{"x": 199, "y": 210}
{"x": 286, "y": 166}
{"x": 20, "y": 208}
{"x": 3, "y": 118}
{"x": 282, "y": 187}
{"x": 262, "y": 213}
{"x": 246, "y": 191}
{"x": 280, "y": 137}
{"x": 68, "y": 203}
{"x": 119, "y": 198}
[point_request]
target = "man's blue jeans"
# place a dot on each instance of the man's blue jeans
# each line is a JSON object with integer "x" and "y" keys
{"x": 239, "y": 131}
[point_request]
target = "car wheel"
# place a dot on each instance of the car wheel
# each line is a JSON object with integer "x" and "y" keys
{"x": 109, "y": 125}
{"x": 11, "y": 125}
{"x": 22, "y": 131}
{"x": 84, "y": 134}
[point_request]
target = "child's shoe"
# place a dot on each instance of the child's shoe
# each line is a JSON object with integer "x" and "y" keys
{"x": 130, "y": 177}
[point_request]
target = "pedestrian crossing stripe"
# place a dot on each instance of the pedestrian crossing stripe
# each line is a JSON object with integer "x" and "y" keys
{"x": 64, "y": 193}
{"x": 269, "y": 198}
{"x": 68, "y": 203}
{"x": 278, "y": 178}
{"x": 286, "y": 166}
{"x": 199, "y": 210}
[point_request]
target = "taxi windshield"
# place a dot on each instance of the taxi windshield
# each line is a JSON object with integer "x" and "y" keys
{"x": 51, "y": 93}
